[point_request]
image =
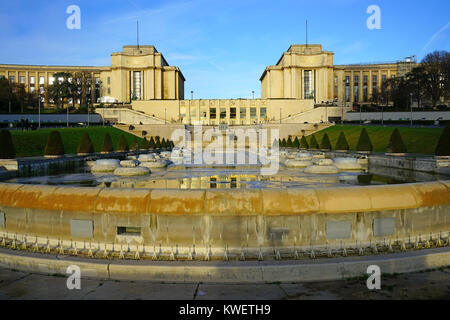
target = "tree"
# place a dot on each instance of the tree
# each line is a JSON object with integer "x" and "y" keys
{"x": 443, "y": 146}
{"x": 107, "y": 144}
{"x": 7, "y": 150}
{"x": 342, "y": 143}
{"x": 157, "y": 143}
{"x": 437, "y": 72}
{"x": 151, "y": 144}
{"x": 325, "y": 143}
{"x": 135, "y": 144}
{"x": 417, "y": 78}
{"x": 61, "y": 89}
{"x": 123, "y": 144}
{"x": 313, "y": 145}
{"x": 289, "y": 142}
{"x": 5, "y": 95}
{"x": 396, "y": 144}
{"x": 296, "y": 143}
{"x": 55, "y": 146}
{"x": 145, "y": 144}
{"x": 303, "y": 143}
{"x": 364, "y": 143}
{"x": 85, "y": 145}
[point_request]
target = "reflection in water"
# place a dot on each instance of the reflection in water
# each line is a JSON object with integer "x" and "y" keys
{"x": 204, "y": 178}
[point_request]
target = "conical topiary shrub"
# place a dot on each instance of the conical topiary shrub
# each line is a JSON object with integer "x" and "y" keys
{"x": 144, "y": 145}
{"x": 157, "y": 143}
{"x": 7, "y": 150}
{"x": 342, "y": 144}
{"x": 55, "y": 146}
{"x": 303, "y": 143}
{"x": 135, "y": 144}
{"x": 443, "y": 146}
{"x": 396, "y": 144}
{"x": 313, "y": 145}
{"x": 325, "y": 144}
{"x": 364, "y": 143}
{"x": 283, "y": 143}
{"x": 107, "y": 144}
{"x": 151, "y": 143}
{"x": 163, "y": 144}
{"x": 296, "y": 143}
{"x": 289, "y": 142}
{"x": 85, "y": 146}
{"x": 123, "y": 144}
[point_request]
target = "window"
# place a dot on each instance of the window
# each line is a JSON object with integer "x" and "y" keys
{"x": 193, "y": 113}
{"x": 11, "y": 79}
{"x": 232, "y": 113}
{"x": 203, "y": 113}
{"x": 51, "y": 80}
{"x": 308, "y": 91}
{"x": 109, "y": 80}
{"x": 365, "y": 86}
{"x": 41, "y": 80}
{"x": 22, "y": 79}
{"x": 223, "y": 113}
{"x": 383, "y": 84}
{"x": 335, "y": 87}
{"x": 243, "y": 113}
{"x": 374, "y": 84}
{"x": 212, "y": 113}
{"x": 129, "y": 231}
{"x": 182, "y": 113}
{"x": 356, "y": 89}
{"x": 262, "y": 113}
{"x": 252, "y": 113}
{"x": 32, "y": 79}
{"x": 136, "y": 94}
{"x": 41, "y": 90}
{"x": 347, "y": 89}
{"x": 32, "y": 89}
{"x": 109, "y": 90}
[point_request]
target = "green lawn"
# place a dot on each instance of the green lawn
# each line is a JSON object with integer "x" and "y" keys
{"x": 417, "y": 140}
{"x": 32, "y": 143}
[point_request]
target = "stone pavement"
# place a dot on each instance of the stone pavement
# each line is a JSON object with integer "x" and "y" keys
{"x": 434, "y": 284}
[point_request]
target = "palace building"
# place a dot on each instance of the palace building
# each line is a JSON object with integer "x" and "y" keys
{"x": 303, "y": 86}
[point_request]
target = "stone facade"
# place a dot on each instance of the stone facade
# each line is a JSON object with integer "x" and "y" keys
{"x": 303, "y": 79}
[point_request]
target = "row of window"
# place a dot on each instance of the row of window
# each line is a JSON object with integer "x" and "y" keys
{"x": 356, "y": 87}
{"x": 32, "y": 81}
{"x": 222, "y": 113}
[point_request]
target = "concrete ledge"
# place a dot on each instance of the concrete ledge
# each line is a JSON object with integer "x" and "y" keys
{"x": 229, "y": 272}
{"x": 229, "y": 202}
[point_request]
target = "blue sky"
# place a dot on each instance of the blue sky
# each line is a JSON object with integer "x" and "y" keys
{"x": 222, "y": 47}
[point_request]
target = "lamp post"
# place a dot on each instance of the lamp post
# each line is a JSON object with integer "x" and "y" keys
{"x": 411, "y": 107}
{"x": 192, "y": 95}
{"x": 88, "y": 115}
{"x": 253, "y": 94}
{"x": 39, "y": 111}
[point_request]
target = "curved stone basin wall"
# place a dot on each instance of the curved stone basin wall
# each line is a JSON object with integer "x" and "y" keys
{"x": 213, "y": 221}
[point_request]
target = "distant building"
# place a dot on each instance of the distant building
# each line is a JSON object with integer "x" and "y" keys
{"x": 303, "y": 79}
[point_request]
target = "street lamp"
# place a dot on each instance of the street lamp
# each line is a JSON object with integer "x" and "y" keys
{"x": 253, "y": 93}
{"x": 192, "y": 95}
{"x": 39, "y": 111}
{"x": 411, "y": 103}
